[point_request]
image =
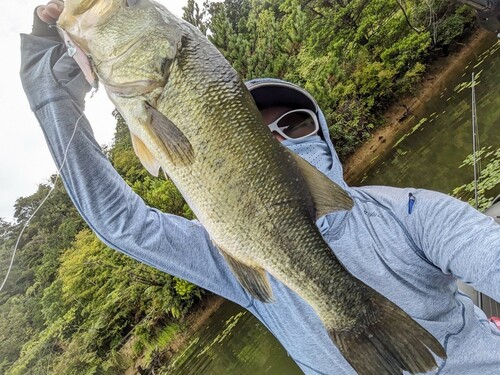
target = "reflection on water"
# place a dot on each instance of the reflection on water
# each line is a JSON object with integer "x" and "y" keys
{"x": 233, "y": 342}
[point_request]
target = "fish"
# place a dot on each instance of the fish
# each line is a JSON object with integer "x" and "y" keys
{"x": 190, "y": 115}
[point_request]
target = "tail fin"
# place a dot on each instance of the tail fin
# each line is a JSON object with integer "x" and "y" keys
{"x": 393, "y": 343}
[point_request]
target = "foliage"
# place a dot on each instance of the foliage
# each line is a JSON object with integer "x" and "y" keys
{"x": 194, "y": 16}
{"x": 355, "y": 57}
{"x": 71, "y": 303}
{"x": 488, "y": 181}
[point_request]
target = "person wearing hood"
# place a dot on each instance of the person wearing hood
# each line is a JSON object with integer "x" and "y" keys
{"x": 411, "y": 245}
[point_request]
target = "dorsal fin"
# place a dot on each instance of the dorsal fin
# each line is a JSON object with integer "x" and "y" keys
{"x": 326, "y": 194}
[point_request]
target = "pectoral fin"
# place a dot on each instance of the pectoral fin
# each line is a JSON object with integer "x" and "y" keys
{"x": 327, "y": 195}
{"x": 145, "y": 156}
{"x": 253, "y": 279}
{"x": 177, "y": 146}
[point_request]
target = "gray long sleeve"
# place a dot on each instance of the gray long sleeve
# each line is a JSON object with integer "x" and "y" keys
{"x": 459, "y": 240}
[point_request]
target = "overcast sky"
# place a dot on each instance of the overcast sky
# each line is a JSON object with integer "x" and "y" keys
{"x": 25, "y": 161}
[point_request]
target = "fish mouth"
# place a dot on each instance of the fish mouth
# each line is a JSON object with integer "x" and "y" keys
{"x": 92, "y": 11}
{"x": 75, "y": 8}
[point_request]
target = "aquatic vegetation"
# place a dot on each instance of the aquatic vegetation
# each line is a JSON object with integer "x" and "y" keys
{"x": 413, "y": 130}
{"x": 488, "y": 184}
{"x": 229, "y": 326}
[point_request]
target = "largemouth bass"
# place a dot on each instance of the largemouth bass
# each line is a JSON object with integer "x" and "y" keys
{"x": 190, "y": 114}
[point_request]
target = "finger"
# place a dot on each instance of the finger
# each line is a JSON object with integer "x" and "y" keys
{"x": 43, "y": 15}
{"x": 57, "y": 4}
{"x": 52, "y": 11}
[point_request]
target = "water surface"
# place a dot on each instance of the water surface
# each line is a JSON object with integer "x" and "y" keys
{"x": 233, "y": 342}
{"x": 431, "y": 154}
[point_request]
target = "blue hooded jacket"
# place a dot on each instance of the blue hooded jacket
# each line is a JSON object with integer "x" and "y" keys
{"x": 413, "y": 258}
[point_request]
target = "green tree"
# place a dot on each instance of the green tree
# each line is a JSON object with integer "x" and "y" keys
{"x": 356, "y": 57}
{"x": 192, "y": 14}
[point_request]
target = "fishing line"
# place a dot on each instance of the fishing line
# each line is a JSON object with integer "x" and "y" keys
{"x": 475, "y": 141}
{"x": 41, "y": 204}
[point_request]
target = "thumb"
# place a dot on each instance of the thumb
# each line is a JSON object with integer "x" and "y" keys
{"x": 50, "y": 12}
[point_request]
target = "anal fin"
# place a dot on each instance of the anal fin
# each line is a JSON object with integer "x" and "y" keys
{"x": 253, "y": 279}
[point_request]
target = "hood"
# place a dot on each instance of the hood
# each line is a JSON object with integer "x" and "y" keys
{"x": 268, "y": 92}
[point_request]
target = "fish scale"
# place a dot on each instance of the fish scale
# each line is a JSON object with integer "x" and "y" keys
{"x": 191, "y": 115}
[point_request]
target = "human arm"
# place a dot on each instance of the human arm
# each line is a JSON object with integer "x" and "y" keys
{"x": 457, "y": 239}
{"x": 56, "y": 90}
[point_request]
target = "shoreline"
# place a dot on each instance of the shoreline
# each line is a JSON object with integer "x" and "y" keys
{"x": 383, "y": 139}
{"x": 209, "y": 304}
